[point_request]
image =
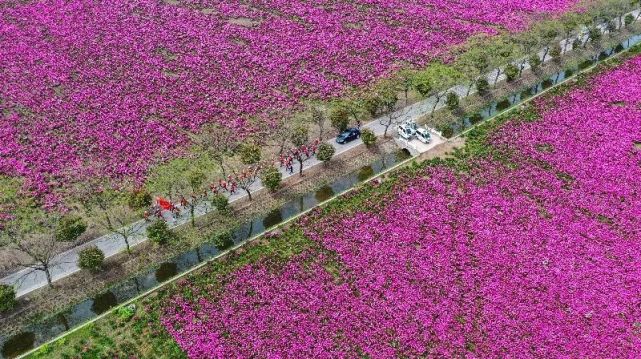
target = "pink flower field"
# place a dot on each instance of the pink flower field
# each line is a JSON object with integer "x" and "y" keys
{"x": 533, "y": 252}
{"x": 92, "y": 88}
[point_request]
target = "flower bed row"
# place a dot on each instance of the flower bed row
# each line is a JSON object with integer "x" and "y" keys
{"x": 107, "y": 89}
{"x": 532, "y": 250}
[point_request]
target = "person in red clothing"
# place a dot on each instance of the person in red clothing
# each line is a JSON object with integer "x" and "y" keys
{"x": 290, "y": 165}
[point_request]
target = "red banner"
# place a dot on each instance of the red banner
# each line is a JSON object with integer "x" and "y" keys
{"x": 164, "y": 203}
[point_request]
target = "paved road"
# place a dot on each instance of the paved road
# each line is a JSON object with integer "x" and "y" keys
{"x": 28, "y": 280}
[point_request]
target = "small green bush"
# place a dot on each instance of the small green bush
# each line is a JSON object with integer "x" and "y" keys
{"x": 220, "y": 202}
{"x": 368, "y": 137}
{"x": 325, "y": 152}
{"x": 595, "y": 34}
{"x": 223, "y": 240}
{"x": 452, "y": 101}
{"x": 91, "y": 258}
{"x": 7, "y": 297}
{"x": 629, "y": 19}
{"x": 159, "y": 233}
{"x": 126, "y": 313}
{"x": 447, "y": 131}
{"x": 576, "y": 44}
{"x": 271, "y": 178}
{"x": 139, "y": 199}
{"x": 611, "y": 26}
{"x": 70, "y": 228}
{"x": 555, "y": 53}
{"x": 511, "y": 72}
{"x": 475, "y": 118}
{"x": 45, "y": 349}
{"x": 482, "y": 86}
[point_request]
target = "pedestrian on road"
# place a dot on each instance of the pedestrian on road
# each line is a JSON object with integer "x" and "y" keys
{"x": 288, "y": 166}
{"x": 358, "y": 124}
{"x": 230, "y": 181}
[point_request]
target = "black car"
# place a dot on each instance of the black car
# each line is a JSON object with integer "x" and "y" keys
{"x": 348, "y": 135}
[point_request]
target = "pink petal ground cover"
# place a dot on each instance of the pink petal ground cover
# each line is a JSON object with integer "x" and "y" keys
{"x": 92, "y": 88}
{"x": 538, "y": 256}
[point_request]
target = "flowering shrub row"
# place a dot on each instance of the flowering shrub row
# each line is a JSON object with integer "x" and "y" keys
{"x": 531, "y": 252}
{"x": 107, "y": 88}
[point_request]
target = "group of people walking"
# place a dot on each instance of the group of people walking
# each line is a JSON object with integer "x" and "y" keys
{"x": 301, "y": 153}
{"x": 228, "y": 185}
{"x": 162, "y": 205}
{"x": 287, "y": 162}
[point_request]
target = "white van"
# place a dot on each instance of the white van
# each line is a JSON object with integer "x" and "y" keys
{"x": 423, "y": 135}
{"x": 407, "y": 130}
